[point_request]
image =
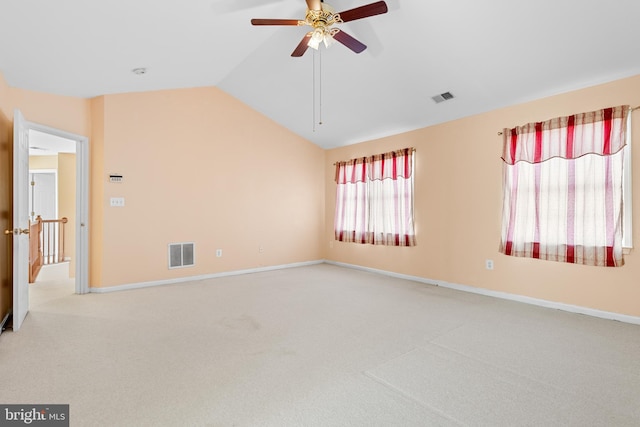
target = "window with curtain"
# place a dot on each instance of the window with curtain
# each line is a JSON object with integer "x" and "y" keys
{"x": 374, "y": 199}
{"x": 563, "y": 188}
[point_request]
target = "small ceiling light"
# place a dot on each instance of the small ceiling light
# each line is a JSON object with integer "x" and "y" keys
{"x": 139, "y": 71}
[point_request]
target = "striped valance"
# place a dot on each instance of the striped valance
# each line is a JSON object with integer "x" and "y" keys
{"x": 598, "y": 132}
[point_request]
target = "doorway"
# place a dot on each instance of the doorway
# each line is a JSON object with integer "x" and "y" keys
{"x": 58, "y": 163}
{"x": 52, "y": 206}
{"x": 21, "y": 227}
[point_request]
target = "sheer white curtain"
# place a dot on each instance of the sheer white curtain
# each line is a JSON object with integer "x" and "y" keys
{"x": 562, "y": 188}
{"x": 352, "y": 203}
{"x": 374, "y": 199}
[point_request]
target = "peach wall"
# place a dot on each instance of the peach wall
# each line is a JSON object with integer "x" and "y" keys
{"x": 199, "y": 166}
{"x": 61, "y": 112}
{"x": 458, "y": 208}
{"x": 96, "y": 191}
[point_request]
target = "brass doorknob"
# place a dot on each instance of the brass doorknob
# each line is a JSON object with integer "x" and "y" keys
{"x": 17, "y": 231}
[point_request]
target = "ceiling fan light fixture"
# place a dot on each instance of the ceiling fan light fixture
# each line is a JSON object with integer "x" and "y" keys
{"x": 317, "y": 36}
{"x": 328, "y": 40}
{"x": 321, "y": 35}
{"x": 314, "y": 43}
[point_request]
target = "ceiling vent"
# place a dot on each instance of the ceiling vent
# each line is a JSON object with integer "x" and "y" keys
{"x": 442, "y": 97}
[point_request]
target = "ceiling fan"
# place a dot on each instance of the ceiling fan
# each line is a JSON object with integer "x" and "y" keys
{"x": 320, "y": 16}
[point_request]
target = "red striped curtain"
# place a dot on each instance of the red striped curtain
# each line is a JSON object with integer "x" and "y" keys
{"x": 374, "y": 199}
{"x": 562, "y": 188}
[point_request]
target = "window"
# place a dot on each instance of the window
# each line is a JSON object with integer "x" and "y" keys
{"x": 563, "y": 188}
{"x": 374, "y": 199}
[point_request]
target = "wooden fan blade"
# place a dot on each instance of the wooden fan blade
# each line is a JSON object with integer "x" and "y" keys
{"x": 314, "y": 5}
{"x": 302, "y": 47}
{"x": 349, "y": 41}
{"x": 274, "y": 22}
{"x": 365, "y": 11}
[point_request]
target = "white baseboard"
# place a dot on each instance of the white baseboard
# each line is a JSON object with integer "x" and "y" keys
{"x": 140, "y": 285}
{"x": 502, "y": 295}
{"x": 465, "y": 288}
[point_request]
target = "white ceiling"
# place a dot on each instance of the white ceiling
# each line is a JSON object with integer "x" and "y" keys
{"x": 46, "y": 144}
{"x": 489, "y": 54}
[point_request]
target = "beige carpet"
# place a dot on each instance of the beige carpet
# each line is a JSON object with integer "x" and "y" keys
{"x": 318, "y": 346}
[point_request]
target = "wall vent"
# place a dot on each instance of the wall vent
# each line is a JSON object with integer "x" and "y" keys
{"x": 442, "y": 97}
{"x": 182, "y": 255}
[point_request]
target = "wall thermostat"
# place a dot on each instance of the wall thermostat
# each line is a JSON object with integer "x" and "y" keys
{"x": 115, "y": 178}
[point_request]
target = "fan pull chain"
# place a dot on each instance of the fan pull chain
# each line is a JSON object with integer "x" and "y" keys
{"x": 313, "y": 64}
{"x": 317, "y": 87}
{"x": 320, "y": 87}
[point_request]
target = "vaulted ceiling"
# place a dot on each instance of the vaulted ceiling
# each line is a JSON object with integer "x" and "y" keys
{"x": 488, "y": 54}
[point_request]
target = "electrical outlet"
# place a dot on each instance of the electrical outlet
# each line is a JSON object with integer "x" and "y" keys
{"x": 117, "y": 202}
{"x": 260, "y": 249}
{"x": 219, "y": 253}
{"x": 488, "y": 264}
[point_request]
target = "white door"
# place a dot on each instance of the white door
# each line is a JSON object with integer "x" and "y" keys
{"x": 43, "y": 195}
{"x": 20, "y": 219}
{"x": 43, "y": 200}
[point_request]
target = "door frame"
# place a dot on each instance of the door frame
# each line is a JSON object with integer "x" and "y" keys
{"x": 82, "y": 201}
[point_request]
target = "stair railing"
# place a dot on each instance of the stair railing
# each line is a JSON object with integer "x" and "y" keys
{"x": 46, "y": 244}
